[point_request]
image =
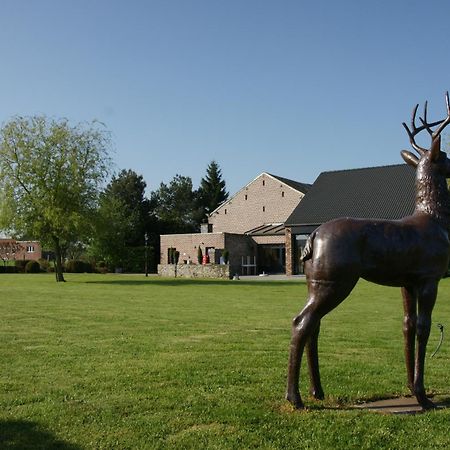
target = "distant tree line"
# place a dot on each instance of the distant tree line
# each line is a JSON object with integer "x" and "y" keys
{"x": 51, "y": 177}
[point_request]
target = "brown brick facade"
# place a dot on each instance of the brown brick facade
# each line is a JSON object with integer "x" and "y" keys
{"x": 264, "y": 200}
{"x": 12, "y": 250}
{"x": 267, "y": 200}
{"x": 238, "y": 245}
{"x": 289, "y": 251}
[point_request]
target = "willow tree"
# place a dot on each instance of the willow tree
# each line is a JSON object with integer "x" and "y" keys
{"x": 51, "y": 174}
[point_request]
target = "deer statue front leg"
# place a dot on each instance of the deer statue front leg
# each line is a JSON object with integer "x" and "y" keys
{"x": 426, "y": 300}
{"x": 409, "y": 331}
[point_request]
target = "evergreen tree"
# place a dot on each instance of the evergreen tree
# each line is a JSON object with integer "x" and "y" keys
{"x": 212, "y": 191}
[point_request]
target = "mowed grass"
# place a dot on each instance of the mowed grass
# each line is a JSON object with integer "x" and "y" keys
{"x": 106, "y": 361}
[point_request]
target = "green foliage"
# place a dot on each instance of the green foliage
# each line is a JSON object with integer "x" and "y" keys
{"x": 199, "y": 255}
{"x": 78, "y": 266}
{"x": 212, "y": 191}
{"x": 174, "y": 205}
{"x": 21, "y": 264}
{"x": 225, "y": 255}
{"x": 50, "y": 176}
{"x": 32, "y": 267}
{"x": 135, "y": 362}
{"x": 45, "y": 265}
{"x": 8, "y": 269}
{"x": 122, "y": 221}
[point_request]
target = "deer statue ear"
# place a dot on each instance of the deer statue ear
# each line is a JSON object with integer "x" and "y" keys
{"x": 435, "y": 148}
{"x": 409, "y": 158}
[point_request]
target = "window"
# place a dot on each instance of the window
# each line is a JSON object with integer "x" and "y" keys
{"x": 282, "y": 193}
{"x": 30, "y": 248}
{"x": 246, "y": 196}
{"x": 264, "y": 182}
{"x": 264, "y": 208}
{"x": 225, "y": 211}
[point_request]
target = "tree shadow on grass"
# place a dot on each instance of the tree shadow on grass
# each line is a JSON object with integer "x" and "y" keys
{"x": 190, "y": 281}
{"x": 22, "y": 434}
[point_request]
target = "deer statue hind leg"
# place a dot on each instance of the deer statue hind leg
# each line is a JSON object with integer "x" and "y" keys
{"x": 312, "y": 352}
{"x": 324, "y": 296}
{"x": 409, "y": 331}
{"x": 426, "y": 299}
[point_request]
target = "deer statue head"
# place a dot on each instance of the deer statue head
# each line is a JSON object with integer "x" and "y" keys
{"x": 434, "y": 153}
{"x": 433, "y": 166}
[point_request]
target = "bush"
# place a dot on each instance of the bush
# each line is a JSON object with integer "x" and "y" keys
{"x": 8, "y": 269}
{"x": 77, "y": 266}
{"x": 45, "y": 265}
{"x": 20, "y": 264}
{"x": 101, "y": 267}
{"x": 199, "y": 255}
{"x": 225, "y": 255}
{"x": 32, "y": 267}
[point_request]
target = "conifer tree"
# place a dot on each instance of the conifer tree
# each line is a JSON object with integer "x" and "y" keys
{"x": 212, "y": 191}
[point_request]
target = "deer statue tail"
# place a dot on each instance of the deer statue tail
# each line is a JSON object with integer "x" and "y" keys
{"x": 308, "y": 250}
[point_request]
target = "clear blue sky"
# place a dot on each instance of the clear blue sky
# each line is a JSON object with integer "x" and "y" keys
{"x": 288, "y": 87}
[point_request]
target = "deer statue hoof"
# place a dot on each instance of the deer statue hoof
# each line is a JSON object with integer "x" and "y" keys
{"x": 295, "y": 401}
{"x": 317, "y": 394}
{"x": 426, "y": 403}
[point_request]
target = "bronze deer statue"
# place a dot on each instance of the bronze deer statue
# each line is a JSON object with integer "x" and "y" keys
{"x": 411, "y": 253}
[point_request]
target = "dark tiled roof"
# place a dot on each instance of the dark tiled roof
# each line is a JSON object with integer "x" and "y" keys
{"x": 386, "y": 192}
{"x": 302, "y": 187}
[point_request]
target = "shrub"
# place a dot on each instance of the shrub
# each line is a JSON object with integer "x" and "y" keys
{"x": 199, "y": 255}
{"x": 77, "y": 266}
{"x": 32, "y": 267}
{"x": 176, "y": 257}
{"x": 101, "y": 267}
{"x": 225, "y": 255}
{"x": 20, "y": 264}
{"x": 8, "y": 269}
{"x": 45, "y": 265}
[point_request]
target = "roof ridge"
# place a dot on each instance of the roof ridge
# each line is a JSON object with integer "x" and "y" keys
{"x": 362, "y": 168}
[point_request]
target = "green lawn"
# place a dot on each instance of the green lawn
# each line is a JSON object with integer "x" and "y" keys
{"x": 107, "y": 361}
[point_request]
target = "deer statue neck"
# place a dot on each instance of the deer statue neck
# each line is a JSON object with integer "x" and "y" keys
{"x": 432, "y": 194}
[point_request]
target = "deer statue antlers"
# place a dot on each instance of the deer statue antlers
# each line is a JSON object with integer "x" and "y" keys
{"x": 435, "y": 135}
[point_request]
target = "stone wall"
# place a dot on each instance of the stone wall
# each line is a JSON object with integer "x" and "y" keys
{"x": 194, "y": 270}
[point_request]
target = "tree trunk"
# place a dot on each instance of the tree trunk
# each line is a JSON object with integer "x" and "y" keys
{"x": 58, "y": 261}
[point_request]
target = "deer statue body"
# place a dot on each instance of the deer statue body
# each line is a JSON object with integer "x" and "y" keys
{"x": 411, "y": 253}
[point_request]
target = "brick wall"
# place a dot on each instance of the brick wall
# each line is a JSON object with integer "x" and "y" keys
{"x": 289, "y": 245}
{"x": 29, "y": 250}
{"x": 238, "y": 246}
{"x": 264, "y": 200}
{"x": 187, "y": 245}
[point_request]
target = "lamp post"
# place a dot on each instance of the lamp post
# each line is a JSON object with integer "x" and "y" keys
{"x": 146, "y": 254}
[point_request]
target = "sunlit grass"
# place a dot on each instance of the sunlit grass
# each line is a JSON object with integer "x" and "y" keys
{"x": 106, "y": 361}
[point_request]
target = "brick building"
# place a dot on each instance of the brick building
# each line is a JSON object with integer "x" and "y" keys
{"x": 250, "y": 225}
{"x": 13, "y": 250}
